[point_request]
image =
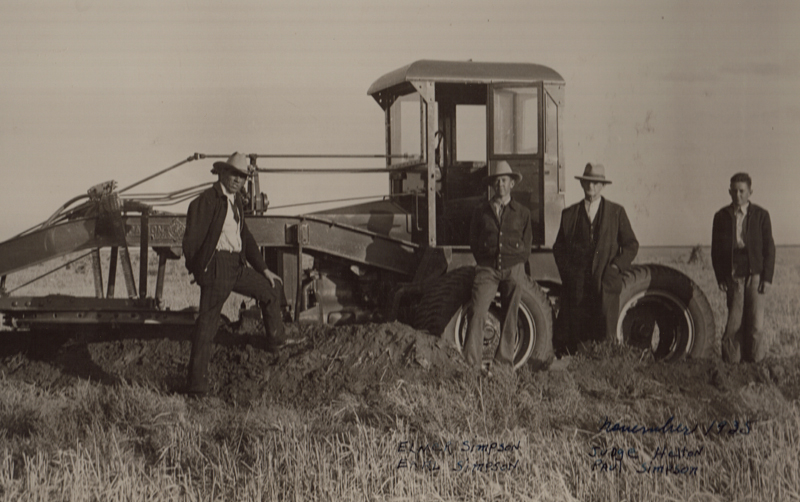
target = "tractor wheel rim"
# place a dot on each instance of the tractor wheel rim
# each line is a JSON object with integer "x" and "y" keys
{"x": 526, "y": 330}
{"x": 658, "y": 304}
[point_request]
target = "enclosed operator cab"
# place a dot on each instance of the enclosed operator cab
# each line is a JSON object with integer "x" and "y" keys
{"x": 446, "y": 121}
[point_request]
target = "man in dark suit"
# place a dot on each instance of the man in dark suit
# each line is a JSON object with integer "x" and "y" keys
{"x": 594, "y": 246}
{"x": 500, "y": 239}
{"x": 217, "y": 246}
{"x": 743, "y": 256}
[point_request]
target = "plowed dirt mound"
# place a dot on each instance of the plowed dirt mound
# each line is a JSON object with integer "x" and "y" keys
{"x": 331, "y": 360}
{"x": 357, "y": 360}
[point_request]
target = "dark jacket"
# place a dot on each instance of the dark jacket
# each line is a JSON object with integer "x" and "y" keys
{"x": 499, "y": 244}
{"x": 757, "y": 238}
{"x": 616, "y": 242}
{"x": 204, "y": 226}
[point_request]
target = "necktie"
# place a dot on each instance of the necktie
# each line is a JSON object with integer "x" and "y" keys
{"x": 236, "y": 216}
{"x": 497, "y": 205}
{"x": 739, "y": 228}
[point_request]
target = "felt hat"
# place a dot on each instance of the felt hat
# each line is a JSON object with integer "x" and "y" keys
{"x": 594, "y": 172}
{"x": 236, "y": 162}
{"x": 501, "y": 168}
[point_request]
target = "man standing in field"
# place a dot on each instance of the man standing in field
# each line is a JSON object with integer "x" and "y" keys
{"x": 594, "y": 246}
{"x": 500, "y": 239}
{"x": 743, "y": 256}
{"x": 217, "y": 246}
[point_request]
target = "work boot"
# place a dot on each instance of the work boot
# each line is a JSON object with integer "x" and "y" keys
{"x": 290, "y": 338}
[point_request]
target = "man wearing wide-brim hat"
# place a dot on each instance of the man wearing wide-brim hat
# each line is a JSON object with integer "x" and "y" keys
{"x": 500, "y": 239}
{"x": 595, "y": 245}
{"x": 218, "y": 246}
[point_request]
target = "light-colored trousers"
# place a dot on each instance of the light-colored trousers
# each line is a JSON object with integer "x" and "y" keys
{"x": 489, "y": 281}
{"x": 744, "y": 338}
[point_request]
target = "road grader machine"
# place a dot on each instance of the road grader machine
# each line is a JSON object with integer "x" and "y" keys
{"x": 403, "y": 257}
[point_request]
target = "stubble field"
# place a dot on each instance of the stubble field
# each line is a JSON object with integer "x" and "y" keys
{"x": 383, "y": 412}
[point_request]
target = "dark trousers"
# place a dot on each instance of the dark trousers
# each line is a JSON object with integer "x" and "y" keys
{"x": 586, "y": 314}
{"x": 224, "y": 274}
{"x": 489, "y": 281}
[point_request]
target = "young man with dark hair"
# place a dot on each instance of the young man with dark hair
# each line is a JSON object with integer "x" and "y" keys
{"x": 743, "y": 256}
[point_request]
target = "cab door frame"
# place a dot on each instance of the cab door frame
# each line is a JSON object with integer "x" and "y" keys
{"x": 529, "y": 164}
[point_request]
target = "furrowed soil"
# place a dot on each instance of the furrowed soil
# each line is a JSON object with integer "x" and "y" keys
{"x": 359, "y": 360}
{"x": 353, "y": 359}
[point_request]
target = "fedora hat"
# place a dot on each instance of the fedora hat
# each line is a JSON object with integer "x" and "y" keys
{"x": 501, "y": 168}
{"x": 594, "y": 172}
{"x": 237, "y": 162}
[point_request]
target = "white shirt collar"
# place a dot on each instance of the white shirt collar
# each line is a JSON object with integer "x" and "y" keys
{"x": 743, "y": 209}
{"x": 504, "y": 201}
{"x": 230, "y": 195}
{"x": 592, "y": 205}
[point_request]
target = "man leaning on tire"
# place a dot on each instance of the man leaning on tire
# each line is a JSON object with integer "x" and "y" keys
{"x": 500, "y": 239}
{"x": 594, "y": 246}
{"x": 743, "y": 256}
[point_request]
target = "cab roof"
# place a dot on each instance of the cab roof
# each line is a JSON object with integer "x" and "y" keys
{"x": 466, "y": 72}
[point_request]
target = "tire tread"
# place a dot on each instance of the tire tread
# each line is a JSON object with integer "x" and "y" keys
{"x": 653, "y": 276}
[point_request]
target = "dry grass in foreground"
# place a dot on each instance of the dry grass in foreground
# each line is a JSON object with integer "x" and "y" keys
{"x": 612, "y": 425}
{"x": 416, "y": 442}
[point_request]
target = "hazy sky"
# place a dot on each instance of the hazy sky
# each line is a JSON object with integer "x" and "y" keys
{"x": 672, "y": 96}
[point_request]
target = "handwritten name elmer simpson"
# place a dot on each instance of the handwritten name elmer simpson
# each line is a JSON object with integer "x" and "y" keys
{"x": 449, "y": 448}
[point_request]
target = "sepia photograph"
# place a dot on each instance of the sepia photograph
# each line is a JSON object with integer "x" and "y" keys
{"x": 399, "y": 251}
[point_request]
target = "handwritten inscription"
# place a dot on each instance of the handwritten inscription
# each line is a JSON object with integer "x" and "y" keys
{"x": 671, "y": 427}
{"x": 460, "y": 457}
{"x": 674, "y": 466}
{"x": 664, "y": 460}
{"x": 610, "y": 459}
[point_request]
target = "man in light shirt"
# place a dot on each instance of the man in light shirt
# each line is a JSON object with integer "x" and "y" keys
{"x": 743, "y": 256}
{"x": 594, "y": 246}
{"x": 217, "y": 246}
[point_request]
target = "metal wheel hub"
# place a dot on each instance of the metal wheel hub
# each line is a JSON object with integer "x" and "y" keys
{"x": 492, "y": 331}
{"x": 657, "y": 321}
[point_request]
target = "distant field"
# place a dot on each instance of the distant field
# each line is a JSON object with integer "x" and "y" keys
{"x": 785, "y": 254}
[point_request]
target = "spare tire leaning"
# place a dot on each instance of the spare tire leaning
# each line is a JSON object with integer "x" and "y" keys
{"x": 663, "y": 310}
{"x": 445, "y": 309}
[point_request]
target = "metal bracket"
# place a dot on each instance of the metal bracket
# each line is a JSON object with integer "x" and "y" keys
{"x": 297, "y": 234}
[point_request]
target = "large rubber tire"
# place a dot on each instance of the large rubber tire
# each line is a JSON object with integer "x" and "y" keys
{"x": 442, "y": 298}
{"x": 445, "y": 309}
{"x": 664, "y": 310}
